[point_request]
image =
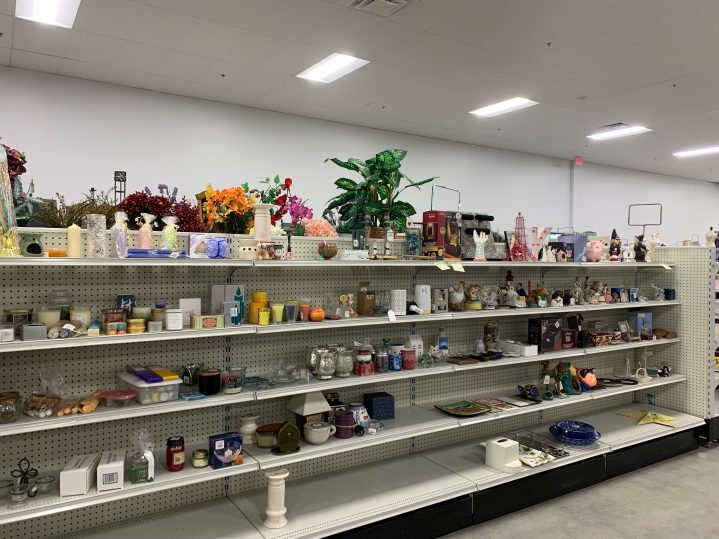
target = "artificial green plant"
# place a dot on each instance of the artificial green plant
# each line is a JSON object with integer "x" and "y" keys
{"x": 376, "y": 196}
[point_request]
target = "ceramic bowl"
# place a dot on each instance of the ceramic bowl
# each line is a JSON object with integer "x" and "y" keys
{"x": 266, "y": 435}
{"x": 319, "y": 432}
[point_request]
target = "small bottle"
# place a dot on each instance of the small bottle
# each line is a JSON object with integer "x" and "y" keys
{"x": 443, "y": 344}
{"x": 175, "y": 453}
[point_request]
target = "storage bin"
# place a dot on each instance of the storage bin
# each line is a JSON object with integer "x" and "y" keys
{"x": 168, "y": 390}
{"x": 380, "y": 405}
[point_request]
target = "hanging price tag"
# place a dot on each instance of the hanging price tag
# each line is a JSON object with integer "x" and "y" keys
{"x": 666, "y": 266}
{"x": 456, "y": 266}
{"x": 441, "y": 265}
{"x": 392, "y": 317}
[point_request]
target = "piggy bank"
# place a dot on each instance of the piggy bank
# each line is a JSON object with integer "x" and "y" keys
{"x": 594, "y": 250}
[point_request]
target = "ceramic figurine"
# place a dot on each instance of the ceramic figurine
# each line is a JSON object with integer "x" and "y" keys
{"x": 710, "y": 237}
{"x": 658, "y": 293}
{"x": 652, "y": 245}
{"x": 557, "y": 300}
{"x": 627, "y": 254}
{"x": 456, "y": 297}
{"x": 594, "y": 251}
{"x": 615, "y": 247}
{"x": 479, "y": 241}
{"x": 640, "y": 250}
{"x": 473, "y": 301}
{"x": 537, "y": 237}
{"x": 578, "y": 293}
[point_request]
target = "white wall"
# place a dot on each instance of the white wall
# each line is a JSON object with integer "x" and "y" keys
{"x": 77, "y": 132}
{"x": 602, "y": 195}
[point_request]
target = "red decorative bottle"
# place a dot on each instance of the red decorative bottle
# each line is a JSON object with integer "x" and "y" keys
{"x": 175, "y": 453}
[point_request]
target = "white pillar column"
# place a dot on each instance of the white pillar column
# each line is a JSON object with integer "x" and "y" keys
{"x": 275, "y": 511}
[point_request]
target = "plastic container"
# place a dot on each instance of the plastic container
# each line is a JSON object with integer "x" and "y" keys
{"x": 173, "y": 319}
{"x": 118, "y": 397}
{"x": 169, "y": 390}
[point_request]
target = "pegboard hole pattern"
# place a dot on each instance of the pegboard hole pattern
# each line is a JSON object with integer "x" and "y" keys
{"x": 86, "y": 369}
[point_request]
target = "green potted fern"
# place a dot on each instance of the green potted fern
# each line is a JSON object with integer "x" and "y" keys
{"x": 374, "y": 200}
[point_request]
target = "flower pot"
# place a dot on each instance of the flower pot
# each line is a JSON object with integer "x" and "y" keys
{"x": 248, "y": 427}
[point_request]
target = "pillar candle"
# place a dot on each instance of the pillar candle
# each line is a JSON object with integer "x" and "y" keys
{"x": 74, "y": 241}
{"x": 253, "y": 316}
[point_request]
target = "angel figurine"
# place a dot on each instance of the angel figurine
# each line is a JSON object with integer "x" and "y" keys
{"x": 652, "y": 245}
{"x": 479, "y": 241}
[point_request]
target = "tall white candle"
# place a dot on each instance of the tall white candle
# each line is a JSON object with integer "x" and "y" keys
{"x": 74, "y": 241}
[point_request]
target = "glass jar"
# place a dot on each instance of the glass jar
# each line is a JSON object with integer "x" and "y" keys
{"x": 48, "y": 315}
{"x": 234, "y": 380}
{"x": 326, "y": 364}
{"x": 345, "y": 362}
{"x": 81, "y": 316}
{"x": 9, "y": 406}
{"x": 18, "y": 318}
{"x": 364, "y": 365}
{"x": 60, "y": 299}
{"x": 381, "y": 361}
{"x": 200, "y": 458}
{"x": 175, "y": 453}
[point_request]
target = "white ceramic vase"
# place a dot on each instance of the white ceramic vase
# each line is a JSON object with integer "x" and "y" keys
{"x": 248, "y": 427}
{"x": 263, "y": 222}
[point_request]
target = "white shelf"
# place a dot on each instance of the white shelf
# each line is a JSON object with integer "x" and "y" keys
{"x": 27, "y": 424}
{"x": 563, "y": 354}
{"x": 128, "y": 338}
{"x": 336, "y": 503}
{"x": 350, "y": 381}
{"x": 248, "y": 329}
{"x": 557, "y": 403}
{"x": 619, "y": 431}
{"x": 408, "y": 422}
{"x": 467, "y": 460}
{"x": 284, "y": 264}
{"x": 123, "y": 262}
{"x": 218, "y": 519}
{"x": 51, "y": 503}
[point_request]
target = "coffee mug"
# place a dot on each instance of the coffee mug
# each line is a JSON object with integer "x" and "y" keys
{"x": 670, "y": 294}
{"x": 318, "y": 432}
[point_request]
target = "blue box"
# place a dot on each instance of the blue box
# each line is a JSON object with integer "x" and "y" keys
{"x": 639, "y": 321}
{"x": 380, "y": 405}
{"x": 226, "y": 450}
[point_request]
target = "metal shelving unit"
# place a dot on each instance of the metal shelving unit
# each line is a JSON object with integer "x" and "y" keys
{"x": 319, "y": 504}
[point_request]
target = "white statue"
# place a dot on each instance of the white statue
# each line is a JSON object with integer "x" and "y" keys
{"x": 479, "y": 241}
{"x": 652, "y": 244}
{"x": 710, "y": 237}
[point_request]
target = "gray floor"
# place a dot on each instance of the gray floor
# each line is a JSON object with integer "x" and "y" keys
{"x": 675, "y": 498}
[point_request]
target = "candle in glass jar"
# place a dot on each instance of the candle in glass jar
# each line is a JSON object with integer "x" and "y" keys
{"x": 253, "y": 316}
{"x": 81, "y": 315}
{"x": 74, "y": 241}
{"x": 48, "y": 315}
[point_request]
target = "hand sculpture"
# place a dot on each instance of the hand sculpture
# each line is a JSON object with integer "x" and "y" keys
{"x": 479, "y": 241}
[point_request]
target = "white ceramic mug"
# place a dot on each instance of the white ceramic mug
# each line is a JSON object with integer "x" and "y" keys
{"x": 318, "y": 432}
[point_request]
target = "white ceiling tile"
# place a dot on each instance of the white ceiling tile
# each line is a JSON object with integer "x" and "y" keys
{"x": 260, "y": 81}
{"x": 212, "y": 39}
{"x": 202, "y": 91}
{"x": 188, "y": 7}
{"x": 132, "y": 21}
{"x": 627, "y": 11}
{"x": 576, "y": 8}
{"x": 295, "y": 58}
{"x": 238, "y": 97}
{"x": 193, "y": 68}
{"x": 5, "y": 56}
{"x": 7, "y": 7}
{"x": 81, "y": 70}
{"x": 114, "y": 52}
{"x": 277, "y": 104}
{"x": 167, "y": 85}
{"x": 350, "y": 31}
{"x": 462, "y": 20}
{"x": 6, "y": 30}
{"x": 280, "y": 18}
{"x": 36, "y": 62}
{"x": 122, "y": 77}
{"x": 254, "y": 49}
{"x": 41, "y": 38}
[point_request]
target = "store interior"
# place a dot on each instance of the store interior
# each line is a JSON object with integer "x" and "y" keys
{"x": 357, "y": 268}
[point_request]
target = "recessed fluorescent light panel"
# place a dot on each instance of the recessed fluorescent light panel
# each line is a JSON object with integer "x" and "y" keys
{"x": 333, "y": 67}
{"x": 510, "y": 105}
{"x": 697, "y": 152}
{"x": 619, "y": 132}
{"x": 54, "y": 12}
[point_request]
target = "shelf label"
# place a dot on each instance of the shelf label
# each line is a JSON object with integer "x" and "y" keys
{"x": 456, "y": 266}
{"x": 666, "y": 267}
{"x": 441, "y": 265}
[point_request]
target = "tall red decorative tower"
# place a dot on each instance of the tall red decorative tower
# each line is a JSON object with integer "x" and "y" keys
{"x": 519, "y": 252}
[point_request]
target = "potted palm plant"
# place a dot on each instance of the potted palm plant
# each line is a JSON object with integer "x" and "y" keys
{"x": 375, "y": 199}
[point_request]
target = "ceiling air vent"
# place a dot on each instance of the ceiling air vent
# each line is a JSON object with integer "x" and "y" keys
{"x": 616, "y": 125}
{"x": 383, "y": 8}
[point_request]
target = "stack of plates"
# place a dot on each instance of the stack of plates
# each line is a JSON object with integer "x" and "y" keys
{"x": 573, "y": 432}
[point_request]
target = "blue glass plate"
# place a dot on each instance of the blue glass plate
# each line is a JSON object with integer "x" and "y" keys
{"x": 573, "y": 441}
{"x": 571, "y": 428}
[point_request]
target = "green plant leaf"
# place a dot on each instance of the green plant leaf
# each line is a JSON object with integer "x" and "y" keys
{"x": 347, "y": 184}
{"x": 382, "y": 191}
{"x": 344, "y": 164}
{"x": 338, "y": 201}
{"x": 375, "y": 209}
{"x": 399, "y": 154}
{"x": 422, "y": 182}
{"x": 277, "y": 179}
{"x": 405, "y": 209}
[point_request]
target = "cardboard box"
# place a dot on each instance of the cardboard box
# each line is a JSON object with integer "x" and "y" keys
{"x": 198, "y": 245}
{"x": 221, "y": 293}
{"x": 524, "y": 350}
{"x": 78, "y": 476}
{"x": 546, "y": 333}
{"x": 111, "y": 471}
{"x": 441, "y": 234}
{"x": 226, "y": 450}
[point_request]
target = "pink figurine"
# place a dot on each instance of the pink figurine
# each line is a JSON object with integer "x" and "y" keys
{"x": 594, "y": 251}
